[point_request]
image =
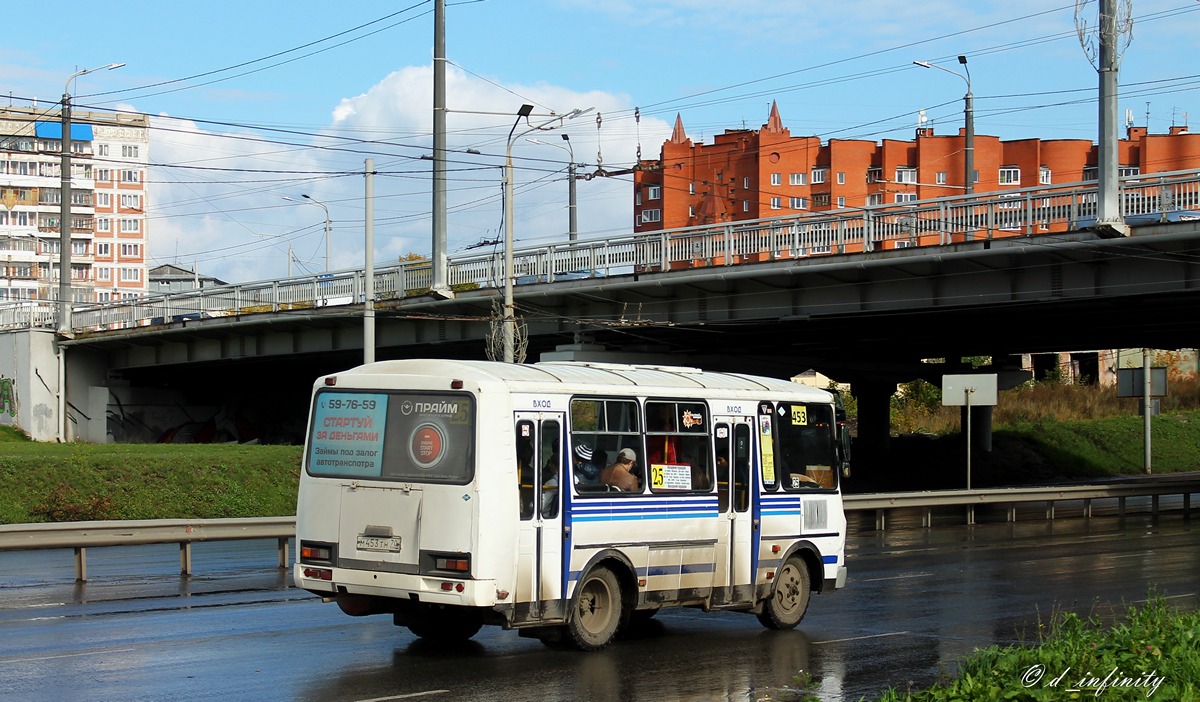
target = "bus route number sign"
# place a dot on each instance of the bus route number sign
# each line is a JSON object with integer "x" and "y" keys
{"x": 670, "y": 476}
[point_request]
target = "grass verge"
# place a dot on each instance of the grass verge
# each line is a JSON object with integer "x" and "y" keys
{"x": 72, "y": 482}
{"x": 1154, "y": 654}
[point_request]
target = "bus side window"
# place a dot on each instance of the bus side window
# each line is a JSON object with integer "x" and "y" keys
{"x": 741, "y": 467}
{"x": 525, "y": 457}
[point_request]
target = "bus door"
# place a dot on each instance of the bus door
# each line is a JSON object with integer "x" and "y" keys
{"x": 735, "y": 532}
{"x": 540, "y": 541}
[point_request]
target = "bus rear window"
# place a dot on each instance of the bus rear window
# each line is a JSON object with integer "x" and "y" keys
{"x": 419, "y": 437}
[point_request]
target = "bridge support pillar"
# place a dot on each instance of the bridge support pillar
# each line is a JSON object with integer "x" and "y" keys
{"x": 874, "y": 423}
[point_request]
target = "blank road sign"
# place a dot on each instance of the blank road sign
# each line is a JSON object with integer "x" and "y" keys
{"x": 1129, "y": 382}
{"x": 982, "y": 387}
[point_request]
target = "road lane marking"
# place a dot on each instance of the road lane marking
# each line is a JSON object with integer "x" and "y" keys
{"x": 69, "y": 655}
{"x": 409, "y": 696}
{"x": 902, "y": 576}
{"x": 860, "y": 638}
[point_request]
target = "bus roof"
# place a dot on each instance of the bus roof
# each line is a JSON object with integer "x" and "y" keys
{"x": 563, "y": 374}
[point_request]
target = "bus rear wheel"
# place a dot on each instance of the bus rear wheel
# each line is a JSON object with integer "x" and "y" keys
{"x": 789, "y": 600}
{"x": 597, "y": 613}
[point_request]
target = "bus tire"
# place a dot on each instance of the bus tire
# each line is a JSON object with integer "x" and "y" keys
{"x": 597, "y": 613}
{"x": 789, "y": 600}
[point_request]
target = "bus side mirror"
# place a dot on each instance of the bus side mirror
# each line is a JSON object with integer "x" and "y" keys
{"x": 844, "y": 449}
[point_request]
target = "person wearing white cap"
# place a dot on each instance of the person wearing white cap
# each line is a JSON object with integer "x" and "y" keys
{"x": 620, "y": 475}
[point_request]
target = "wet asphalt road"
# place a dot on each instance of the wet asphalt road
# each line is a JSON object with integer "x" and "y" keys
{"x": 917, "y": 601}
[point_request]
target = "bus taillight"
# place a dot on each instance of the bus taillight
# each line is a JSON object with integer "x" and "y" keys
{"x": 461, "y": 565}
{"x": 316, "y": 552}
{"x": 318, "y": 573}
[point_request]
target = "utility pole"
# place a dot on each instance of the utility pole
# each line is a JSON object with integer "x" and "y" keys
{"x": 64, "y": 221}
{"x": 439, "y": 286}
{"x": 369, "y": 272}
{"x": 572, "y": 209}
{"x": 1112, "y": 24}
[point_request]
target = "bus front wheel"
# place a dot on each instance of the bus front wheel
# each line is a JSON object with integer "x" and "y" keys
{"x": 597, "y": 613}
{"x": 789, "y": 600}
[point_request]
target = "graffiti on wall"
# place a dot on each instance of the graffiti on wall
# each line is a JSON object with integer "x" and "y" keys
{"x": 8, "y": 396}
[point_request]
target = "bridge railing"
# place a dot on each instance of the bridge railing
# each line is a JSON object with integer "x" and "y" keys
{"x": 1013, "y": 212}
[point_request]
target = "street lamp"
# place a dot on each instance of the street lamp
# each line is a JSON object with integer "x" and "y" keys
{"x": 308, "y": 200}
{"x": 572, "y": 223}
{"x": 510, "y": 321}
{"x": 969, "y": 118}
{"x": 64, "y": 210}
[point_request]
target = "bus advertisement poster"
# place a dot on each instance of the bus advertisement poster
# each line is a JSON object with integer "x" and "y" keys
{"x": 347, "y": 433}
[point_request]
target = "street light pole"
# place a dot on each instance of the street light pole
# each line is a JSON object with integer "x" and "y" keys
{"x": 64, "y": 209}
{"x": 310, "y": 200}
{"x": 509, "y": 322}
{"x": 572, "y": 221}
{"x": 968, "y": 117}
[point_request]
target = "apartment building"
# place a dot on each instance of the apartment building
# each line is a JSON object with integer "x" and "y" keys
{"x": 109, "y": 228}
{"x": 750, "y": 174}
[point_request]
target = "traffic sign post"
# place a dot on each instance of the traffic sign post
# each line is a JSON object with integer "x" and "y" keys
{"x": 1146, "y": 382}
{"x": 973, "y": 390}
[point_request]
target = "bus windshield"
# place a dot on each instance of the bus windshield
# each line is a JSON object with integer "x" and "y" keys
{"x": 403, "y": 436}
{"x": 806, "y": 451}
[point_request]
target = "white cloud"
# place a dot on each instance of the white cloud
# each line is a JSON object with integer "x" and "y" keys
{"x": 213, "y": 216}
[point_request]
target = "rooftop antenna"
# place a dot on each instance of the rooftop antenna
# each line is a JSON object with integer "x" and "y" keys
{"x": 1147, "y": 116}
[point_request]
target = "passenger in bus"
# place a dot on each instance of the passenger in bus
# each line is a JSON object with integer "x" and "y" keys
{"x": 620, "y": 475}
{"x": 525, "y": 476}
{"x": 663, "y": 449}
{"x": 585, "y": 471}
{"x": 550, "y": 487}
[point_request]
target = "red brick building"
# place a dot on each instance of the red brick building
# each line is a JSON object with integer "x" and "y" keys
{"x": 751, "y": 174}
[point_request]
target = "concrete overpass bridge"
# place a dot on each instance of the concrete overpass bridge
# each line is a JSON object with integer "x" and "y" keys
{"x": 862, "y": 295}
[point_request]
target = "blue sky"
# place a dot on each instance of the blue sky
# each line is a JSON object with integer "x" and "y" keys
{"x": 230, "y": 143}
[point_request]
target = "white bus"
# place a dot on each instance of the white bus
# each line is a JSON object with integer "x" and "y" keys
{"x": 453, "y": 494}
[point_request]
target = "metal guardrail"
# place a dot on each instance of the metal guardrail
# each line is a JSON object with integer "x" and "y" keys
{"x": 981, "y": 216}
{"x": 880, "y": 503}
{"x": 81, "y": 536}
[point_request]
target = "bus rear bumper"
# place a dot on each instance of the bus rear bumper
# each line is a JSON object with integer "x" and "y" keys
{"x": 433, "y": 590}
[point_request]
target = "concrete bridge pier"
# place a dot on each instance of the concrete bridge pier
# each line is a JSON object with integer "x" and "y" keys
{"x": 874, "y": 424}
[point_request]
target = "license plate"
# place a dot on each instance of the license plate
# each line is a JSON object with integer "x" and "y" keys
{"x": 389, "y": 544}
